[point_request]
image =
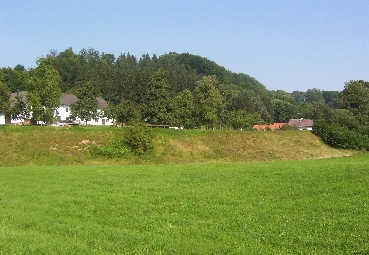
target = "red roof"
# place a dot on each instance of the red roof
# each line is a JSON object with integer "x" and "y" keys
{"x": 274, "y": 126}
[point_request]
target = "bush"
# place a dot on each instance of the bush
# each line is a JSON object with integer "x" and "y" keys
{"x": 287, "y": 127}
{"x": 138, "y": 139}
{"x": 340, "y": 136}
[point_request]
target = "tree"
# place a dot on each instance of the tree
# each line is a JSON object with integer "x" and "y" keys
{"x": 43, "y": 91}
{"x": 184, "y": 109}
{"x": 355, "y": 98}
{"x": 283, "y": 95}
{"x": 313, "y": 95}
{"x": 68, "y": 65}
{"x": 86, "y": 106}
{"x": 4, "y": 98}
{"x": 209, "y": 105}
{"x": 242, "y": 120}
{"x": 348, "y": 127}
{"x": 283, "y": 110}
{"x": 321, "y": 111}
{"x": 305, "y": 110}
{"x": 13, "y": 78}
{"x": 19, "y": 110}
{"x": 298, "y": 96}
{"x": 158, "y": 107}
{"x": 331, "y": 97}
{"x": 126, "y": 113}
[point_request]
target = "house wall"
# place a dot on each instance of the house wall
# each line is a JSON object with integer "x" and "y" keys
{"x": 2, "y": 119}
{"x": 100, "y": 121}
{"x": 19, "y": 121}
{"x": 63, "y": 114}
{"x": 306, "y": 128}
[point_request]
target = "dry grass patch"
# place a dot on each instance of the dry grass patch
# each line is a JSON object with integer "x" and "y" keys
{"x": 62, "y": 146}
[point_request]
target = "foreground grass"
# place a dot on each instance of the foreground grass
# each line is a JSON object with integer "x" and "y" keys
{"x": 30, "y": 145}
{"x": 290, "y": 207}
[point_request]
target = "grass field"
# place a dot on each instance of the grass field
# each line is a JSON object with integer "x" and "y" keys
{"x": 285, "y": 207}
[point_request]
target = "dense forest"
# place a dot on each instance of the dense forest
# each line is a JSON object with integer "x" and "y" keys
{"x": 176, "y": 89}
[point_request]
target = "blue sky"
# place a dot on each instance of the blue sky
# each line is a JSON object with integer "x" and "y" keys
{"x": 285, "y": 44}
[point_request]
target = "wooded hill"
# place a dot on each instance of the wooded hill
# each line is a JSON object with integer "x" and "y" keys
{"x": 148, "y": 83}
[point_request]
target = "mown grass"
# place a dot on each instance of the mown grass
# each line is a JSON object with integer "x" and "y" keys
{"x": 29, "y": 145}
{"x": 285, "y": 207}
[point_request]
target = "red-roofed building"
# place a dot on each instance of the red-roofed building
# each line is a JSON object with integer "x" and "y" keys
{"x": 301, "y": 124}
{"x": 273, "y": 126}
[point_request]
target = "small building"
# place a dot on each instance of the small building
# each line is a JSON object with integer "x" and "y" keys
{"x": 273, "y": 126}
{"x": 302, "y": 124}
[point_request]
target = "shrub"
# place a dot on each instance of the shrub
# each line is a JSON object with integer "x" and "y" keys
{"x": 138, "y": 139}
{"x": 287, "y": 127}
{"x": 340, "y": 136}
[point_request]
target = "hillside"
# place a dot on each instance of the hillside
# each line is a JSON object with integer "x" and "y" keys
{"x": 30, "y": 145}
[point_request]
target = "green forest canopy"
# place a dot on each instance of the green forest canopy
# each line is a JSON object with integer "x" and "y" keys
{"x": 127, "y": 78}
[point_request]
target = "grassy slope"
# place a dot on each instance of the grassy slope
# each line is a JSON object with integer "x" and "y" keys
{"x": 287, "y": 207}
{"x": 62, "y": 146}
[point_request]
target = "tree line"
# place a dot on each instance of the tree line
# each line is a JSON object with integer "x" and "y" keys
{"x": 172, "y": 89}
{"x": 348, "y": 126}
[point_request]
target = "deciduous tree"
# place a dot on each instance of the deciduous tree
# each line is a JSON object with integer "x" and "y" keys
{"x": 209, "y": 105}
{"x": 4, "y": 98}
{"x": 355, "y": 98}
{"x": 43, "y": 85}
{"x": 184, "y": 109}
{"x": 126, "y": 113}
{"x": 86, "y": 106}
{"x": 240, "y": 119}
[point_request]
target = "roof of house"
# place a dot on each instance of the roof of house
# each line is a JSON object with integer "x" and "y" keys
{"x": 68, "y": 99}
{"x": 101, "y": 103}
{"x": 273, "y": 126}
{"x": 301, "y": 122}
{"x": 23, "y": 94}
{"x": 20, "y": 93}
{"x": 65, "y": 99}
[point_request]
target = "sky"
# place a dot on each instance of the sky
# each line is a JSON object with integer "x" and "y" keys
{"x": 285, "y": 44}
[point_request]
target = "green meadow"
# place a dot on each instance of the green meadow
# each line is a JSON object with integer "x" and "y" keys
{"x": 316, "y": 206}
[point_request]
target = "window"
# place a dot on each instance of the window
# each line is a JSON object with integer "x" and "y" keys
{"x": 67, "y": 109}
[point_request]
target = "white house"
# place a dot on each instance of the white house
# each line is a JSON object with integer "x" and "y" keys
{"x": 62, "y": 113}
{"x": 2, "y": 119}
